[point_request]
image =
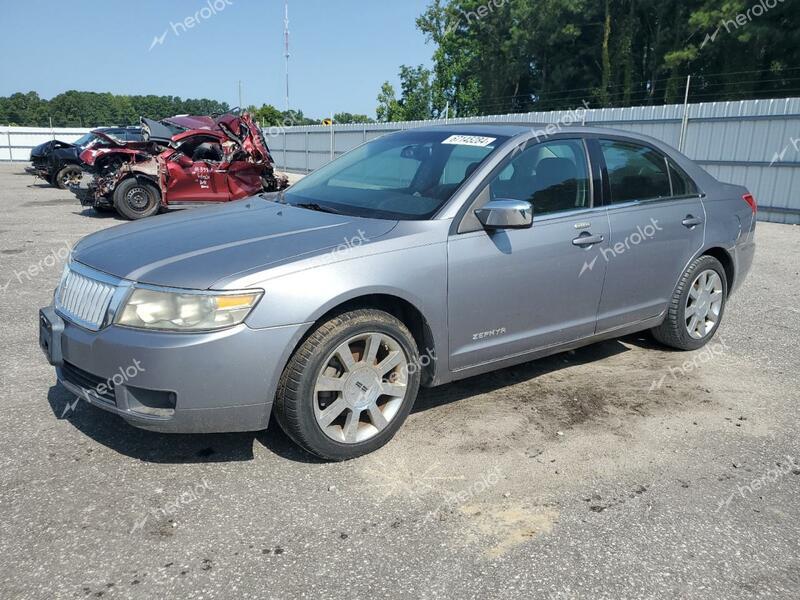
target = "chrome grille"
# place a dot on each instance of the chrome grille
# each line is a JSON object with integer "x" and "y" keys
{"x": 84, "y": 300}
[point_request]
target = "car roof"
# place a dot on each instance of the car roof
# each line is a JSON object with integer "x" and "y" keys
{"x": 512, "y": 129}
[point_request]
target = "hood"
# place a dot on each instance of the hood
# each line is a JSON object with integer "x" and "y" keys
{"x": 41, "y": 149}
{"x": 48, "y": 147}
{"x": 196, "y": 248}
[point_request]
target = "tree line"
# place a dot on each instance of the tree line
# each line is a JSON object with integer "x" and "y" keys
{"x": 93, "y": 109}
{"x": 502, "y": 56}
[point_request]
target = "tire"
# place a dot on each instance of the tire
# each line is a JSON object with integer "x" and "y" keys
{"x": 675, "y": 330}
{"x": 67, "y": 176}
{"x": 135, "y": 199}
{"x": 339, "y": 434}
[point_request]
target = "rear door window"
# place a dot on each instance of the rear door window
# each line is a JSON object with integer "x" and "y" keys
{"x": 682, "y": 185}
{"x": 635, "y": 172}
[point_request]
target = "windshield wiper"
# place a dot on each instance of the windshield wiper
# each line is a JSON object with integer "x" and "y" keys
{"x": 317, "y": 207}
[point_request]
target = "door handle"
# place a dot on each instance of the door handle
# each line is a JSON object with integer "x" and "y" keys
{"x": 587, "y": 240}
{"x": 691, "y": 221}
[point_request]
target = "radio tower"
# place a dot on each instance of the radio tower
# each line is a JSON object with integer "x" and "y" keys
{"x": 286, "y": 43}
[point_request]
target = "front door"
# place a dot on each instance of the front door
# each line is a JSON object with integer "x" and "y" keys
{"x": 517, "y": 290}
{"x": 195, "y": 172}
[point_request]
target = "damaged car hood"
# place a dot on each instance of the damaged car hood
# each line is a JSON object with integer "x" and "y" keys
{"x": 196, "y": 249}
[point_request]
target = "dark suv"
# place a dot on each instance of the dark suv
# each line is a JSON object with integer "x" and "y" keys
{"x": 59, "y": 162}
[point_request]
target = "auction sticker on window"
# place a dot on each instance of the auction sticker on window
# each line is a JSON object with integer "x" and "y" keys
{"x": 469, "y": 140}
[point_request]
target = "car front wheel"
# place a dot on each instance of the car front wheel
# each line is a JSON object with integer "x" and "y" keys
{"x": 136, "y": 199}
{"x": 350, "y": 385}
{"x": 697, "y": 305}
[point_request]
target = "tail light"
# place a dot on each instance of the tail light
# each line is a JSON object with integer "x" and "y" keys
{"x": 751, "y": 201}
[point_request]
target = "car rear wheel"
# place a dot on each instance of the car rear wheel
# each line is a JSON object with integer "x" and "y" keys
{"x": 697, "y": 305}
{"x": 136, "y": 199}
{"x": 67, "y": 177}
{"x": 350, "y": 385}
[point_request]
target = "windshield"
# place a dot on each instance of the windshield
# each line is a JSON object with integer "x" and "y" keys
{"x": 85, "y": 140}
{"x": 407, "y": 175}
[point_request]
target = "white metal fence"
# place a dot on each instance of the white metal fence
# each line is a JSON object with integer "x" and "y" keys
{"x": 755, "y": 143}
{"x": 16, "y": 142}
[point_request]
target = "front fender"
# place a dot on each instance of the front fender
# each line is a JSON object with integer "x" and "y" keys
{"x": 416, "y": 275}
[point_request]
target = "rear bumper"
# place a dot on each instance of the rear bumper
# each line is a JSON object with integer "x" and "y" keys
{"x": 217, "y": 382}
{"x": 744, "y": 252}
{"x": 38, "y": 171}
{"x": 743, "y": 257}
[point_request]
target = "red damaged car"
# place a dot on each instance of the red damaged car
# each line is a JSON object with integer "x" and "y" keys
{"x": 190, "y": 161}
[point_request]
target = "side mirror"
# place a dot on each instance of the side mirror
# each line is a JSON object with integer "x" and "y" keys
{"x": 506, "y": 214}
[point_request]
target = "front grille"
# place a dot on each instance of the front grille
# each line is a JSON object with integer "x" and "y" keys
{"x": 84, "y": 300}
{"x": 91, "y": 384}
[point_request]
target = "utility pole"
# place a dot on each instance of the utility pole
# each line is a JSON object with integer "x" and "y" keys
{"x": 286, "y": 47}
{"x": 240, "y": 95}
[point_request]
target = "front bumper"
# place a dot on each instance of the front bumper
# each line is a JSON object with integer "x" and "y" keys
{"x": 217, "y": 382}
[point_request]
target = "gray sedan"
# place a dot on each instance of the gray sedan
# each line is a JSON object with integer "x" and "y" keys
{"x": 419, "y": 258}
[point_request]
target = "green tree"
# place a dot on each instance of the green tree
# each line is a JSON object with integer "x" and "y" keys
{"x": 414, "y": 104}
{"x": 523, "y": 55}
{"x": 346, "y": 117}
{"x": 388, "y": 108}
{"x": 267, "y": 115}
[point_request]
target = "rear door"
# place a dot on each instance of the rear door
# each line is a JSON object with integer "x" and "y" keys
{"x": 657, "y": 224}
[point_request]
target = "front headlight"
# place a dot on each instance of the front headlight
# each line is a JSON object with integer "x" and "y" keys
{"x": 186, "y": 310}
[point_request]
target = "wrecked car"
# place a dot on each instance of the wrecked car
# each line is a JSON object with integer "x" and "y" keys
{"x": 191, "y": 161}
{"x": 59, "y": 163}
{"x": 113, "y": 148}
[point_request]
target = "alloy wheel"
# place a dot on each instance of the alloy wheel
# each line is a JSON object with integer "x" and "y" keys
{"x": 71, "y": 178}
{"x": 361, "y": 387}
{"x": 704, "y": 304}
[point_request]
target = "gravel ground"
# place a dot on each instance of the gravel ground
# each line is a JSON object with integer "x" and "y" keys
{"x": 621, "y": 470}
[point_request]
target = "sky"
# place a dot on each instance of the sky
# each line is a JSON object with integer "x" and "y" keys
{"x": 341, "y": 50}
